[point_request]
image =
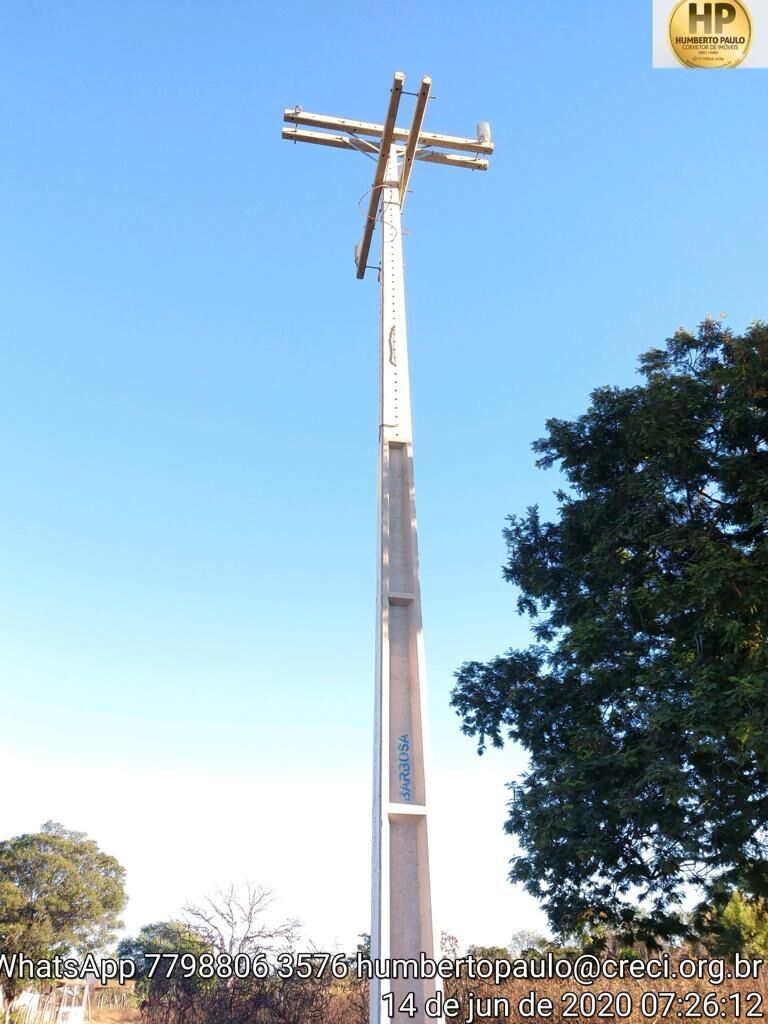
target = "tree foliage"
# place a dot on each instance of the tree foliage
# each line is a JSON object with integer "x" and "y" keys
{"x": 58, "y": 893}
{"x": 643, "y": 702}
{"x": 734, "y": 924}
{"x": 153, "y": 977}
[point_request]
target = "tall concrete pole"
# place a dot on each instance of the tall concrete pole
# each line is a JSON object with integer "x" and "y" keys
{"x": 402, "y": 924}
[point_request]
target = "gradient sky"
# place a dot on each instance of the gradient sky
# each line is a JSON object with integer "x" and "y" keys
{"x": 188, "y": 402}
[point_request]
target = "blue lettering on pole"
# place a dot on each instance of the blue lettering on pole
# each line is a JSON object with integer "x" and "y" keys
{"x": 404, "y": 766}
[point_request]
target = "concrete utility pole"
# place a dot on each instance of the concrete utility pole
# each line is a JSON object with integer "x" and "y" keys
{"x": 402, "y": 925}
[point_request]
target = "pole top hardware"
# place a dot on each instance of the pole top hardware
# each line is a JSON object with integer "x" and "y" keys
{"x": 411, "y": 144}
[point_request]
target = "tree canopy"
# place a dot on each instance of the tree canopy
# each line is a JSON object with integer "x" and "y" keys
{"x": 166, "y": 938}
{"x": 643, "y": 702}
{"x": 58, "y": 893}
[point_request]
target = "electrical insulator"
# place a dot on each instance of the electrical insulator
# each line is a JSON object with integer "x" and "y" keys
{"x": 484, "y": 133}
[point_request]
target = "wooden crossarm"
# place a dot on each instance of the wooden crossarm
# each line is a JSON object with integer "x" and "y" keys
{"x": 378, "y": 177}
{"x": 344, "y": 124}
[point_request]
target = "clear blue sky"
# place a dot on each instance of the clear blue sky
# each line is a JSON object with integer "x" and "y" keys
{"x": 188, "y": 376}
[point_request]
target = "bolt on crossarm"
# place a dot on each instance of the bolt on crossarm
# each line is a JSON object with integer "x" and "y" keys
{"x": 402, "y": 925}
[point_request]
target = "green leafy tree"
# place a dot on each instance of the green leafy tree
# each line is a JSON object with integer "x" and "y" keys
{"x": 643, "y": 702}
{"x": 167, "y": 979}
{"x": 734, "y": 923}
{"x": 58, "y": 893}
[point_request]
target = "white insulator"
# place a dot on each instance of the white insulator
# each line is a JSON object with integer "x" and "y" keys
{"x": 357, "y": 253}
{"x": 484, "y": 133}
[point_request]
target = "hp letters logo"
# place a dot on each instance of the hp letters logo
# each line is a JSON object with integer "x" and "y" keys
{"x": 706, "y": 33}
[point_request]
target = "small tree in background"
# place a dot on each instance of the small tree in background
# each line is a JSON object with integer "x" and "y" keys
{"x": 734, "y": 924}
{"x": 178, "y": 987}
{"x": 234, "y": 920}
{"x": 526, "y": 942}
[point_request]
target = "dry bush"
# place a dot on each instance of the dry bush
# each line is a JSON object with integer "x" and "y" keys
{"x": 329, "y": 1001}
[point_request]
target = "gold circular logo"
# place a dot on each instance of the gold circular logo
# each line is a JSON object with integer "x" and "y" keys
{"x": 710, "y": 35}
